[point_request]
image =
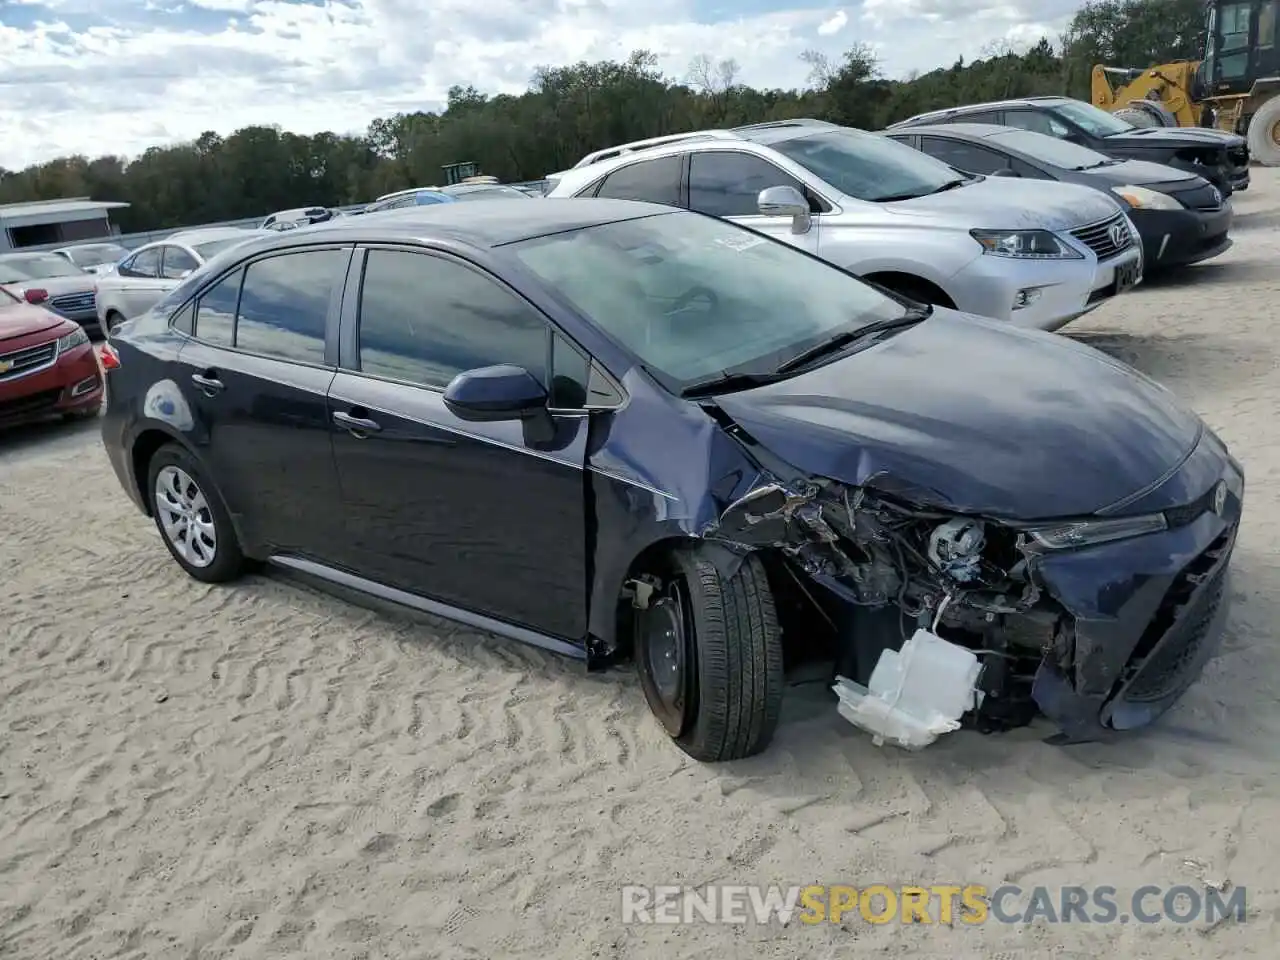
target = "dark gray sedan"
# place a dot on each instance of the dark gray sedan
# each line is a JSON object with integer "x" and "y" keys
{"x": 1181, "y": 217}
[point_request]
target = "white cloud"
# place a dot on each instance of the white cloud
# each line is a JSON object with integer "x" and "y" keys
{"x": 76, "y": 78}
{"x": 833, "y": 26}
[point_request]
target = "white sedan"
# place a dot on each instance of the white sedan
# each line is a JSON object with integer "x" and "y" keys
{"x": 141, "y": 279}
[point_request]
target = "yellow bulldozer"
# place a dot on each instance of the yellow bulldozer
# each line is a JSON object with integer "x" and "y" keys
{"x": 1236, "y": 87}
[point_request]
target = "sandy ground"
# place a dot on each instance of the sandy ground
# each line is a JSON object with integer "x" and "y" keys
{"x": 267, "y": 771}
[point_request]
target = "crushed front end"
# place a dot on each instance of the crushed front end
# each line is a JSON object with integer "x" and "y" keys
{"x": 1100, "y": 624}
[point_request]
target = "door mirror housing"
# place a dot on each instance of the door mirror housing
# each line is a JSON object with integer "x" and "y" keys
{"x": 786, "y": 202}
{"x": 490, "y": 394}
{"x": 1006, "y": 172}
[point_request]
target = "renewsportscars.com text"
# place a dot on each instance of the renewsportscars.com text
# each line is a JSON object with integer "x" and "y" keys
{"x": 949, "y": 904}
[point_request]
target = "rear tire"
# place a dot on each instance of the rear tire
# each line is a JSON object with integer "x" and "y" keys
{"x": 729, "y": 660}
{"x": 112, "y": 321}
{"x": 1264, "y": 133}
{"x": 189, "y": 513}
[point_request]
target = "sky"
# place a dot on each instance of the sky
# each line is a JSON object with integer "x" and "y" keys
{"x": 119, "y": 76}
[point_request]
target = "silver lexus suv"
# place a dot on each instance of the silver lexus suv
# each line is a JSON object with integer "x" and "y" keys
{"x": 1034, "y": 253}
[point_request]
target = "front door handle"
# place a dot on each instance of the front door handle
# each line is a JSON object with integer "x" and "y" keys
{"x": 357, "y": 425}
{"x": 208, "y": 382}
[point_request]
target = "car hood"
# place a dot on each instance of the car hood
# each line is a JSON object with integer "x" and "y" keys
{"x": 976, "y": 416}
{"x": 22, "y": 320}
{"x": 1164, "y": 137}
{"x": 1006, "y": 203}
{"x": 1137, "y": 173}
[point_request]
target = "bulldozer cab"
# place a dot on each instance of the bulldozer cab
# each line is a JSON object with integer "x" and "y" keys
{"x": 1242, "y": 47}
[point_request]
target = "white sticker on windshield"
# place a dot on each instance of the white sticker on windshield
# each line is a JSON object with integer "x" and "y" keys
{"x": 740, "y": 243}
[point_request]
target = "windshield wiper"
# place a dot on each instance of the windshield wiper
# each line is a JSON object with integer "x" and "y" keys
{"x": 726, "y": 382}
{"x": 1101, "y": 163}
{"x": 838, "y": 341}
{"x": 949, "y": 185}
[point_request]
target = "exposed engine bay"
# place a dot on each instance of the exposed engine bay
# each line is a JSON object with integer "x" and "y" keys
{"x": 915, "y": 581}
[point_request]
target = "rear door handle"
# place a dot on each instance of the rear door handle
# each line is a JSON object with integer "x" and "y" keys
{"x": 357, "y": 425}
{"x": 209, "y": 384}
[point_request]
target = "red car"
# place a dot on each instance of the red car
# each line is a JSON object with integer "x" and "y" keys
{"x": 47, "y": 365}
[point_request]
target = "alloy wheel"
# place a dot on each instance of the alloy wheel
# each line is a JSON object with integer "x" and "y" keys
{"x": 185, "y": 517}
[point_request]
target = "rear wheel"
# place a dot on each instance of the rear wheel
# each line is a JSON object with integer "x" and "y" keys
{"x": 112, "y": 320}
{"x": 1264, "y": 133}
{"x": 192, "y": 520}
{"x": 709, "y": 654}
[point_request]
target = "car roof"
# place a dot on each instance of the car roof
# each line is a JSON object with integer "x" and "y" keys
{"x": 490, "y": 224}
{"x": 192, "y": 237}
{"x": 976, "y": 107}
{"x": 975, "y": 131}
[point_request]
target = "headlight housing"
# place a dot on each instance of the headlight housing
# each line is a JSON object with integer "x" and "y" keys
{"x": 69, "y": 341}
{"x": 1024, "y": 245}
{"x": 1087, "y": 533}
{"x": 1140, "y": 198}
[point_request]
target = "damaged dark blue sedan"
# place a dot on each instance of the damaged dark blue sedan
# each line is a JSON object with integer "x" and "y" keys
{"x": 618, "y": 430}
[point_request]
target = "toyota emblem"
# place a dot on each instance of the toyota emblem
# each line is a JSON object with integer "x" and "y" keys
{"x": 1220, "y": 497}
{"x": 1118, "y": 234}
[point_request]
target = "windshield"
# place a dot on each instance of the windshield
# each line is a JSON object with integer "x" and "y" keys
{"x": 211, "y": 247}
{"x": 1093, "y": 120}
{"x": 1051, "y": 150}
{"x": 91, "y": 255}
{"x": 692, "y": 296}
{"x": 20, "y": 267}
{"x": 868, "y": 166}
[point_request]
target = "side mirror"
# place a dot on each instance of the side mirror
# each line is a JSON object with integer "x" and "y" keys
{"x": 1006, "y": 172}
{"x": 786, "y": 202}
{"x": 489, "y": 394}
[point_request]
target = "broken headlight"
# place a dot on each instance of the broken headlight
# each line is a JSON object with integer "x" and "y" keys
{"x": 1086, "y": 533}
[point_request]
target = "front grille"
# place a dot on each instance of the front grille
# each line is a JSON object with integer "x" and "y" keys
{"x": 74, "y": 302}
{"x": 30, "y": 404}
{"x": 1180, "y": 626}
{"x": 1206, "y": 197}
{"x": 19, "y": 363}
{"x": 1106, "y": 238}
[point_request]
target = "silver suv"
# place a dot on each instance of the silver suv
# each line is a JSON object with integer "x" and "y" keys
{"x": 1036, "y": 254}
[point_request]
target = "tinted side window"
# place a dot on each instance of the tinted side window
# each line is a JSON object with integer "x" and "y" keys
{"x": 729, "y": 184}
{"x": 424, "y": 320}
{"x": 657, "y": 181}
{"x": 176, "y": 262}
{"x": 184, "y": 321}
{"x": 1036, "y": 122}
{"x": 216, "y": 311}
{"x": 963, "y": 156}
{"x": 284, "y": 305}
{"x": 570, "y": 373}
{"x": 145, "y": 263}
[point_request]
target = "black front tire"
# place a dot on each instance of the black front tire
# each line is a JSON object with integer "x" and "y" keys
{"x": 733, "y": 672}
{"x": 229, "y": 562}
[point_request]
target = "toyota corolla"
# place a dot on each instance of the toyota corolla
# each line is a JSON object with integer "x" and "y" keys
{"x": 616, "y": 430}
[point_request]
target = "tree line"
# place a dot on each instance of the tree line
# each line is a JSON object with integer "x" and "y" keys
{"x": 571, "y": 110}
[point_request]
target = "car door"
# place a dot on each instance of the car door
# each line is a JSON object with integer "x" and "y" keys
{"x": 479, "y": 516}
{"x": 138, "y": 282}
{"x": 727, "y": 184}
{"x": 257, "y": 369}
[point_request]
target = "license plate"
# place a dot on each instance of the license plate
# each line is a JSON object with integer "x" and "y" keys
{"x": 1128, "y": 275}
